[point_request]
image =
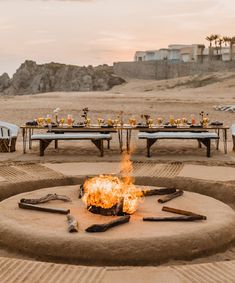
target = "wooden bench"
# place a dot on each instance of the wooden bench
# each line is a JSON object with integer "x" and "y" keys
{"x": 202, "y": 137}
{"x": 233, "y": 135}
{"x": 46, "y": 139}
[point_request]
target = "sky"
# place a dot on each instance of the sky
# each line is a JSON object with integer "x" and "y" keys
{"x": 93, "y": 32}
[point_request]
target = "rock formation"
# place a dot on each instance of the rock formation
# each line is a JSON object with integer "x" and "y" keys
{"x": 4, "y": 82}
{"x": 32, "y": 78}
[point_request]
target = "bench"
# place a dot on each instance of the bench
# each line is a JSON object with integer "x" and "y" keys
{"x": 96, "y": 138}
{"x": 8, "y": 136}
{"x": 202, "y": 137}
{"x": 233, "y": 135}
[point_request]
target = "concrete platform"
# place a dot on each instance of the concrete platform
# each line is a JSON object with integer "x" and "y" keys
{"x": 215, "y": 173}
{"x": 140, "y": 169}
{"x": 2, "y": 179}
{"x": 18, "y": 271}
{"x": 45, "y": 235}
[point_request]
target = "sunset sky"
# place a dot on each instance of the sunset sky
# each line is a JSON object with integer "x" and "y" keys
{"x": 84, "y": 32}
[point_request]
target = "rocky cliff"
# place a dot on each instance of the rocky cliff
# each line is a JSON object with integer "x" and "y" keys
{"x": 4, "y": 82}
{"x": 33, "y": 78}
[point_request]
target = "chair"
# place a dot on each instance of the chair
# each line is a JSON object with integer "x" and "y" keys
{"x": 8, "y": 136}
{"x": 233, "y": 135}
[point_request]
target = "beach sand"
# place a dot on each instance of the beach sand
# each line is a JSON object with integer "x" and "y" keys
{"x": 176, "y": 97}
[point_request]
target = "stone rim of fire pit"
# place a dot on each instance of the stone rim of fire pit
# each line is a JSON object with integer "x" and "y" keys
{"x": 115, "y": 247}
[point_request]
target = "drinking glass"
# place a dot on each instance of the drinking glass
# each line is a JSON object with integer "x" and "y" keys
{"x": 40, "y": 121}
{"x": 184, "y": 121}
{"x": 48, "y": 119}
{"x": 110, "y": 122}
{"x": 62, "y": 120}
{"x": 159, "y": 121}
{"x": 178, "y": 122}
{"x": 69, "y": 120}
{"x": 100, "y": 121}
{"x": 193, "y": 120}
{"x": 116, "y": 122}
{"x": 205, "y": 122}
{"x": 88, "y": 122}
{"x": 172, "y": 120}
{"x": 150, "y": 122}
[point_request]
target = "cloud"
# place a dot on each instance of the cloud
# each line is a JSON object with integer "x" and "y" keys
{"x": 5, "y": 28}
{"x": 40, "y": 41}
{"x": 69, "y": 0}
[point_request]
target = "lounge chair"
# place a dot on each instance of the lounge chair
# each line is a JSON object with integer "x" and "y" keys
{"x": 8, "y": 136}
{"x": 233, "y": 135}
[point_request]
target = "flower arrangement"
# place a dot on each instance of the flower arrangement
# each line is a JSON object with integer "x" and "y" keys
{"x": 56, "y": 113}
{"x": 85, "y": 115}
{"x": 204, "y": 118}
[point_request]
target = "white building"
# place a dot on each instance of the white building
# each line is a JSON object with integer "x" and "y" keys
{"x": 185, "y": 53}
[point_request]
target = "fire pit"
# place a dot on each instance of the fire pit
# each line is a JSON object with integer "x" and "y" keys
{"x": 109, "y": 195}
{"x": 144, "y": 238}
{"x": 45, "y": 235}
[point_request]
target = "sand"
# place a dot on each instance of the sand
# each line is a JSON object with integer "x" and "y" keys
{"x": 135, "y": 98}
{"x": 159, "y": 98}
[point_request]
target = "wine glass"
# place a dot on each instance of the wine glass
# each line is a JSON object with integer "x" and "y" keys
{"x": 159, "y": 121}
{"x": 48, "y": 119}
{"x": 172, "y": 120}
{"x": 150, "y": 122}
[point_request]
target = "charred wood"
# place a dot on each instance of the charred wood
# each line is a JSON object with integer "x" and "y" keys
{"x": 46, "y": 198}
{"x": 171, "y": 196}
{"x": 72, "y": 224}
{"x": 182, "y": 212}
{"x": 175, "y": 218}
{"x": 164, "y": 191}
{"x": 43, "y": 209}
{"x": 104, "y": 227}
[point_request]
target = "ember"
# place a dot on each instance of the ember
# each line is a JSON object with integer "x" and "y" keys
{"x": 110, "y": 193}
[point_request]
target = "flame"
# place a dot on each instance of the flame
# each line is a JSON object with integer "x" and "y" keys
{"x": 107, "y": 191}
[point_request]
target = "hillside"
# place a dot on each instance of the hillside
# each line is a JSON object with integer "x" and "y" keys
{"x": 32, "y": 78}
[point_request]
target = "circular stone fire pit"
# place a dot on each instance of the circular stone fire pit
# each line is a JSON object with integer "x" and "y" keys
{"x": 45, "y": 236}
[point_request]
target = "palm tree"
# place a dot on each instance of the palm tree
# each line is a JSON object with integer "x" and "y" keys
{"x": 220, "y": 41}
{"x": 216, "y": 38}
{"x": 210, "y": 38}
{"x": 225, "y": 40}
{"x": 231, "y": 42}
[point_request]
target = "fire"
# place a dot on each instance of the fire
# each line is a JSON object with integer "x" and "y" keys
{"x": 107, "y": 191}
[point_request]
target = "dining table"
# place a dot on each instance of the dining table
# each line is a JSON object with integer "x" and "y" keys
{"x": 123, "y": 131}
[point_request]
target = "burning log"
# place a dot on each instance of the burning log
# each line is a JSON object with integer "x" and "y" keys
{"x": 171, "y": 196}
{"x": 116, "y": 210}
{"x": 81, "y": 188}
{"x": 46, "y": 198}
{"x": 44, "y": 209}
{"x": 182, "y": 212}
{"x": 81, "y": 191}
{"x": 164, "y": 191}
{"x": 175, "y": 218}
{"x": 73, "y": 224}
{"x": 104, "y": 227}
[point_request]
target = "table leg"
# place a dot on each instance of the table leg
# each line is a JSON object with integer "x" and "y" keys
{"x": 30, "y": 140}
{"x": 120, "y": 138}
{"x": 217, "y": 141}
{"x": 56, "y": 144}
{"x": 199, "y": 144}
{"x": 225, "y": 139}
{"x": 128, "y": 139}
{"x": 24, "y": 134}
